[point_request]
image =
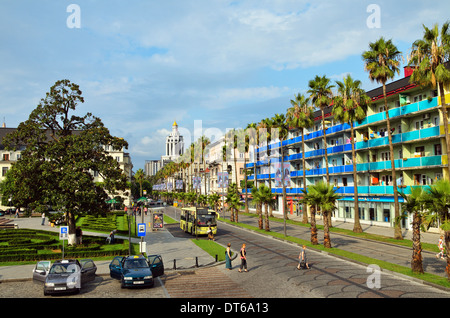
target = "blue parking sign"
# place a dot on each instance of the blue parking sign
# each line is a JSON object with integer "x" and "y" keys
{"x": 63, "y": 232}
{"x": 141, "y": 229}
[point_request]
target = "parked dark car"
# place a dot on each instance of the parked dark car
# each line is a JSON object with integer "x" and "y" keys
{"x": 64, "y": 276}
{"x": 136, "y": 270}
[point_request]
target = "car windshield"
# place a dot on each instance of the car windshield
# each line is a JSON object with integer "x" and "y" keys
{"x": 64, "y": 268}
{"x": 135, "y": 263}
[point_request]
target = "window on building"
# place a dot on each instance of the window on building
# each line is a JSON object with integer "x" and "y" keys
{"x": 4, "y": 171}
{"x": 437, "y": 150}
{"x": 6, "y": 157}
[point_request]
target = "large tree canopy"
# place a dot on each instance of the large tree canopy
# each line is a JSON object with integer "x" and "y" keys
{"x": 62, "y": 151}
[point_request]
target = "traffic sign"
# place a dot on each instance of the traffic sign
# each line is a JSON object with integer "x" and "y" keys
{"x": 141, "y": 229}
{"x": 63, "y": 232}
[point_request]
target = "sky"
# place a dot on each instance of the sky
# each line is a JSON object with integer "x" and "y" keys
{"x": 209, "y": 65}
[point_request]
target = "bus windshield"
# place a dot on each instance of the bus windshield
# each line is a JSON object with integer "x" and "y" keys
{"x": 206, "y": 219}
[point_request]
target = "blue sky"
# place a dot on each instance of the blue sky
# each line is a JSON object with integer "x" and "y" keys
{"x": 143, "y": 64}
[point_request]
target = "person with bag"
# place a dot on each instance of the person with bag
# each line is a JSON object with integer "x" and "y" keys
{"x": 243, "y": 253}
{"x": 302, "y": 260}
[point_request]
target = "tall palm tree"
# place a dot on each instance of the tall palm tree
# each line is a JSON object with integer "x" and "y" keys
{"x": 301, "y": 115}
{"x": 253, "y": 135}
{"x": 265, "y": 128}
{"x": 414, "y": 203}
{"x": 350, "y": 105}
{"x": 139, "y": 176}
{"x": 266, "y": 197}
{"x": 428, "y": 56}
{"x": 258, "y": 200}
{"x": 279, "y": 122}
{"x": 382, "y": 61}
{"x": 309, "y": 198}
{"x": 325, "y": 196}
{"x": 438, "y": 205}
{"x": 321, "y": 93}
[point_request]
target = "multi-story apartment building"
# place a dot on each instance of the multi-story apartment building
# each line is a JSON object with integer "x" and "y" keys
{"x": 420, "y": 153}
{"x": 217, "y": 165}
{"x": 9, "y": 157}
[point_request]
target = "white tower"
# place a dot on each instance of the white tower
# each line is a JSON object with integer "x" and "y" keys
{"x": 174, "y": 145}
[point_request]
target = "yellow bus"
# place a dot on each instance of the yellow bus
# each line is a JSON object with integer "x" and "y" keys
{"x": 198, "y": 220}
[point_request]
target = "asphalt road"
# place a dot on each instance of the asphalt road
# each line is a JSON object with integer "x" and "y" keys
{"x": 272, "y": 274}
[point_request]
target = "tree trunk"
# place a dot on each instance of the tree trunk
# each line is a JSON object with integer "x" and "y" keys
{"x": 326, "y": 230}
{"x": 447, "y": 249}
{"x": 70, "y": 217}
{"x": 416, "y": 261}
{"x": 267, "y": 227}
{"x": 314, "y": 239}
{"x": 445, "y": 119}
{"x": 260, "y": 218}
{"x": 397, "y": 227}
{"x": 357, "y": 226}
{"x": 305, "y": 208}
{"x": 326, "y": 158}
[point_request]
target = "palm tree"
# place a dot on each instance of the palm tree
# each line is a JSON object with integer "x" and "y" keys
{"x": 279, "y": 121}
{"x": 438, "y": 206}
{"x": 309, "y": 198}
{"x": 139, "y": 176}
{"x": 350, "y": 105}
{"x": 258, "y": 199}
{"x": 266, "y": 197}
{"x": 253, "y": 136}
{"x": 233, "y": 200}
{"x": 213, "y": 200}
{"x": 321, "y": 96}
{"x": 428, "y": 56}
{"x": 301, "y": 115}
{"x": 325, "y": 196}
{"x": 266, "y": 126}
{"x": 414, "y": 203}
{"x": 382, "y": 62}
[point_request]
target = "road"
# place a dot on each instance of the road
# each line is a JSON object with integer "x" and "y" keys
{"x": 272, "y": 274}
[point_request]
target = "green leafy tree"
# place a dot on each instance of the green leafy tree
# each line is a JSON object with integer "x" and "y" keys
{"x": 62, "y": 150}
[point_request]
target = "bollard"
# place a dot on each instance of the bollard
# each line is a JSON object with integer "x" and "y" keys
{"x": 174, "y": 264}
{"x": 216, "y": 257}
{"x": 196, "y": 261}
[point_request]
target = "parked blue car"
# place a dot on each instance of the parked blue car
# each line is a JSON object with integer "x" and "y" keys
{"x": 136, "y": 270}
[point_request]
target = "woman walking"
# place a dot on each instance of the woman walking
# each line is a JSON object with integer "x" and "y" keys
{"x": 243, "y": 253}
{"x": 228, "y": 257}
{"x": 302, "y": 260}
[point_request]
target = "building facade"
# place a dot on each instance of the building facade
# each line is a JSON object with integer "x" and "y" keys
{"x": 420, "y": 153}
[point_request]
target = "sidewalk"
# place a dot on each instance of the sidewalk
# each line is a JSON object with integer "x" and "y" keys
{"x": 160, "y": 242}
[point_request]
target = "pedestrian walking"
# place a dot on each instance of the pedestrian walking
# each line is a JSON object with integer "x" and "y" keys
{"x": 43, "y": 218}
{"x": 243, "y": 254}
{"x": 302, "y": 260}
{"x": 78, "y": 235}
{"x": 210, "y": 234}
{"x": 228, "y": 257}
{"x": 441, "y": 247}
